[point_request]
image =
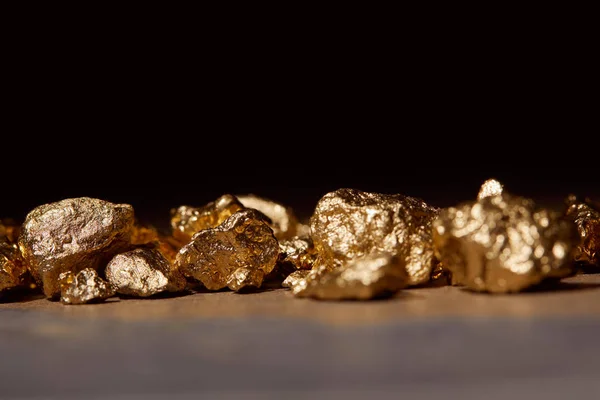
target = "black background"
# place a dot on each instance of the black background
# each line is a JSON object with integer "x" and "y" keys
{"x": 158, "y": 138}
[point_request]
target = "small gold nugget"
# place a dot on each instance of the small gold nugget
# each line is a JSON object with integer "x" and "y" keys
{"x": 283, "y": 220}
{"x": 9, "y": 230}
{"x": 491, "y": 187}
{"x": 503, "y": 244}
{"x": 12, "y": 267}
{"x": 364, "y": 278}
{"x": 143, "y": 273}
{"x": 586, "y": 216}
{"x": 295, "y": 277}
{"x": 348, "y": 224}
{"x": 84, "y": 287}
{"x": 244, "y": 240}
{"x": 186, "y": 220}
{"x": 299, "y": 252}
{"x": 71, "y": 235}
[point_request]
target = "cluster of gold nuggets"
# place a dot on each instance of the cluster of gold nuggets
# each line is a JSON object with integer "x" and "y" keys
{"x": 357, "y": 246}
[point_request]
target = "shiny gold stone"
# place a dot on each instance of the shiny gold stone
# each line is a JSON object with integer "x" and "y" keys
{"x": 295, "y": 277}
{"x": 245, "y": 277}
{"x": 12, "y": 268}
{"x": 585, "y": 213}
{"x": 186, "y": 220}
{"x": 283, "y": 220}
{"x": 84, "y": 287}
{"x": 142, "y": 273}
{"x": 244, "y": 240}
{"x": 299, "y": 252}
{"x": 349, "y": 224}
{"x": 71, "y": 235}
{"x": 503, "y": 244}
{"x": 372, "y": 276}
{"x": 491, "y": 187}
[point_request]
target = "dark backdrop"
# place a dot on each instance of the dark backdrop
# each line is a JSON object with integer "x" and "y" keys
{"x": 157, "y": 143}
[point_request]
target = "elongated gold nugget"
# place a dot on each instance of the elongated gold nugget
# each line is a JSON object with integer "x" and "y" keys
{"x": 283, "y": 220}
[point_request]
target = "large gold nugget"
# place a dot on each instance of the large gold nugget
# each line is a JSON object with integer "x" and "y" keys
{"x": 348, "y": 224}
{"x": 12, "y": 267}
{"x": 142, "y": 273}
{"x": 71, "y": 235}
{"x": 299, "y": 252}
{"x": 490, "y": 188}
{"x": 84, "y": 287}
{"x": 186, "y": 220}
{"x": 244, "y": 240}
{"x": 283, "y": 220}
{"x": 364, "y": 278}
{"x": 586, "y": 216}
{"x": 503, "y": 244}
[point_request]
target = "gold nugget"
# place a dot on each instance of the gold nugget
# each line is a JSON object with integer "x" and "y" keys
{"x": 244, "y": 240}
{"x": 491, "y": 187}
{"x": 295, "y": 277}
{"x": 84, "y": 287}
{"x": 12, "y": 268}
{"x": 299, "y": 252}
{"x": 349, "y": 224}
{"x": 71, "y": 235}
{"x": 186, "y": 220}
{"x": 364, "y": 278}
{"x": 10, "y": 230}
{"x": 283, "y": 220}
{"x": 503, "y": 244}
{"x": 143, "y": 273}
{"x": 245, "y": 277}
{"x": 586, "y": 215}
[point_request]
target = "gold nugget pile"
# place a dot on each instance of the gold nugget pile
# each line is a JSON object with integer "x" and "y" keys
{"x": 356, "y": 246}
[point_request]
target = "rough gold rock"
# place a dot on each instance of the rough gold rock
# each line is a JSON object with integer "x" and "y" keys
{"x": 12, "y": 267}
{"x": 491, "y": 187}
{"x": 71, "y": 235}
{"x": 585, "y": 213}
{"x": 245, "y": 277}
{"x": 503, "y": 244}
{"x": 84, "y": 287}
{"x": 348, "y": 224}
{"x": 364, "y": 278}
{"x": 10, "y": 230}
{"x": 295, "y": 277}
{"x": 298, "y": 252}
{"x": 244, "y": 240}
{"x": 186, "y": 220}
{"x": 142, "y": 273}
{"x": 283, "y": 220}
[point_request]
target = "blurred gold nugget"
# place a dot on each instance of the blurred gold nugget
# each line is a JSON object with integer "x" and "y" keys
{"x": 503, "y": 243}
{"x": 490, "y": 188}
{"x": 364, "y": 278}
{"x": 9, "y": 230}
{"x": 12, "y": 267}
{"x": 84, "y": 287}
{"x": 72, "y": 235}
{"x": 295, "y": 277}
{"x": 186, "y": 220}
{"x": 299, "y": 252}
{"x": 244, "y": 241}
{"x": 349, "y": 224}
{"x": 284, "y": 223}
{"x": 586, "y": 216}
{"x": 142, "y": 273}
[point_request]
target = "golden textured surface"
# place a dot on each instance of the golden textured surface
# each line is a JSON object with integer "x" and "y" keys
{"x": 283, "y": 220}
{"x": 244, "y": 240}
{"x": 298, "y": 252}
{"x": 295, "y": 277}
{"x": 491, "y": 187}
{"x": 142, "y": 273}
{"x": 348, "y": 224}
{"x": 586, "y": 216}
{"x": 186, "y": 220}
{"x": 71, "y": 235}
{"x": 368, "y": 277}
{"x": 503, "y": 244}
{"x": 9, "y": 230}
{"x": 12, "y": 268}
{"x": 245, "y": 277}
{"x": 84, "y": 287}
